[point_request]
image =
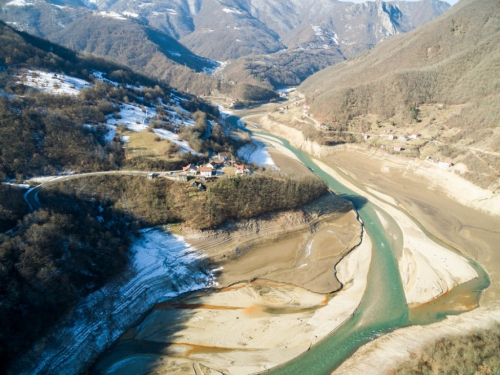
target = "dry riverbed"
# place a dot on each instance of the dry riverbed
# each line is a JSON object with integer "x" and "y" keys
{"x": 278, "y": 278}
{"x": 431, "y": 196}
{"x": 451, "y": 208}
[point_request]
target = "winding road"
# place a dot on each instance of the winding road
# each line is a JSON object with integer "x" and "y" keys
{"x": 31, "y": 196}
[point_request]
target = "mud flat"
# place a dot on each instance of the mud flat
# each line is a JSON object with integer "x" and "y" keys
{"x": 277, "y": 296}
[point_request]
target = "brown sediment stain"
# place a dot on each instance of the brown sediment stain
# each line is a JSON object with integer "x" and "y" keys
{"x": 268, "y": 283}
{"x": 193, "y": 349}
{"x": 462, "y": 298}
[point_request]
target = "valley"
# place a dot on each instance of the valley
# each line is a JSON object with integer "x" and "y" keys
{"x": 281, "y": 187}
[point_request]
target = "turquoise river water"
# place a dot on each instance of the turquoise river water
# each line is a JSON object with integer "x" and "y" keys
{"x": 383, "y": 307}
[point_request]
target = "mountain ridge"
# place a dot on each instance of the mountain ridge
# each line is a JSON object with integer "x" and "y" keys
{"x": 179, "y": 40}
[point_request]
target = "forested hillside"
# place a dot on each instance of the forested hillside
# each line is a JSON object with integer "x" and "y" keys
{"x": 44, "y": 133}
{"x": 440, "y": 80}
{"x": 182, "y": 41}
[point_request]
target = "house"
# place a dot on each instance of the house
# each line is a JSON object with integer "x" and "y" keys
{"x": 206, "y": 171}
{"x": 398, "y": 148}
{"x": 366, "y": 137}
{"x": 390, "y": 137}
{"x": 240, "y": 169}
{"x": 210, "y": 165}
{"x": 152, "y": 176}
{"x": 403, "y": 138}
{"x": 415, "y": 135}
{"x": 306, "y": 108}
{"x": 223, "y": 156}
{"x": 190, "y": 169}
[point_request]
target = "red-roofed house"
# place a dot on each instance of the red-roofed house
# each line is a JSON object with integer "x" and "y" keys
{"x": 240, "y": 169}
{"x": 397, "y": 148}
{"x": 206, "y": 171}
{"x": 415, "y": 135}
{"x": 190, "y": 169}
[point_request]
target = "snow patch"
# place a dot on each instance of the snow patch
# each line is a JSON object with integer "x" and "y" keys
{"x": 256, "y": 152}
{"x": 163, "y": 267}
{"x": 133, "y": 117}
{"x": 113, "y": 15}
{"x": 229, "y": 10}
{"x": 19, "y": 3}
{"x": 130, "y": 14}
{"x": 317, "y": 30}
{"x": 52, "y": 83}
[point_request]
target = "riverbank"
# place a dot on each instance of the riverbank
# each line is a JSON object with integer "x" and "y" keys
{"x": 427, "y": 269}
{"x": 163, "y": 266}
{"x": 464, "y": 216}
{"x": 251, "y": 326}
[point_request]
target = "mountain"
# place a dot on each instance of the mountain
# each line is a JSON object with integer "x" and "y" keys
{"x": 442, "y": 79}
{"x": 176, "y": 40}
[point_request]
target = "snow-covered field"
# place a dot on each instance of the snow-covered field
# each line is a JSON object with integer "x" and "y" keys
{"x": 52, "y": 83}
{"x": 134, "y": 117}
{"x": 163, "y": 267}
{"x": 256, "y": 152}
{"x": 137, "y": 119}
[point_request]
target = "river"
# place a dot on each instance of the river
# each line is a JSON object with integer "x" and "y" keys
{"x": 383, "y": 307}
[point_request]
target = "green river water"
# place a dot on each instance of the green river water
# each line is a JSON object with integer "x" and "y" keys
{"x": 383, "y": 307}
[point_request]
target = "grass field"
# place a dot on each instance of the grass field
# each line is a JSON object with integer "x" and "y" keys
{"x": 148, "y": 145}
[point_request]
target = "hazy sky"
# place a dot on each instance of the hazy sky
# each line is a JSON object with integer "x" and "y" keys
{"x": 362, "y": 1}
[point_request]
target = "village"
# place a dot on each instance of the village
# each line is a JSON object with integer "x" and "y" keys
{"x": 403, "y": 143}
{"x": 221, "y": 164}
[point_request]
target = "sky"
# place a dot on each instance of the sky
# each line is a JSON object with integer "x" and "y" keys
{"x": 452, "y": 2}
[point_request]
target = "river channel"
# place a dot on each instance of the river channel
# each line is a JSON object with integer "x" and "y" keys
{"x": 383, "y": 307}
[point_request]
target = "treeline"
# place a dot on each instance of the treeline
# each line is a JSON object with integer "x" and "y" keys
{"x": 12, "y": 206}
{"x": 162, "y": 201}
{"x": 44, "y": 134}
{"x": 475, "y": 353}
{"x": 246, "y": 197}
{"x": 55, "y": 256}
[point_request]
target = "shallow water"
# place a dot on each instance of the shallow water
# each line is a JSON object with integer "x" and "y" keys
{"x": 383, "y": 307}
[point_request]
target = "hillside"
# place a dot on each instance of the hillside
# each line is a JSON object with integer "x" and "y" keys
{"x": 62, "y": 113}
{"x": 179, "y": 41}
{"x": 440, "y": 81}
